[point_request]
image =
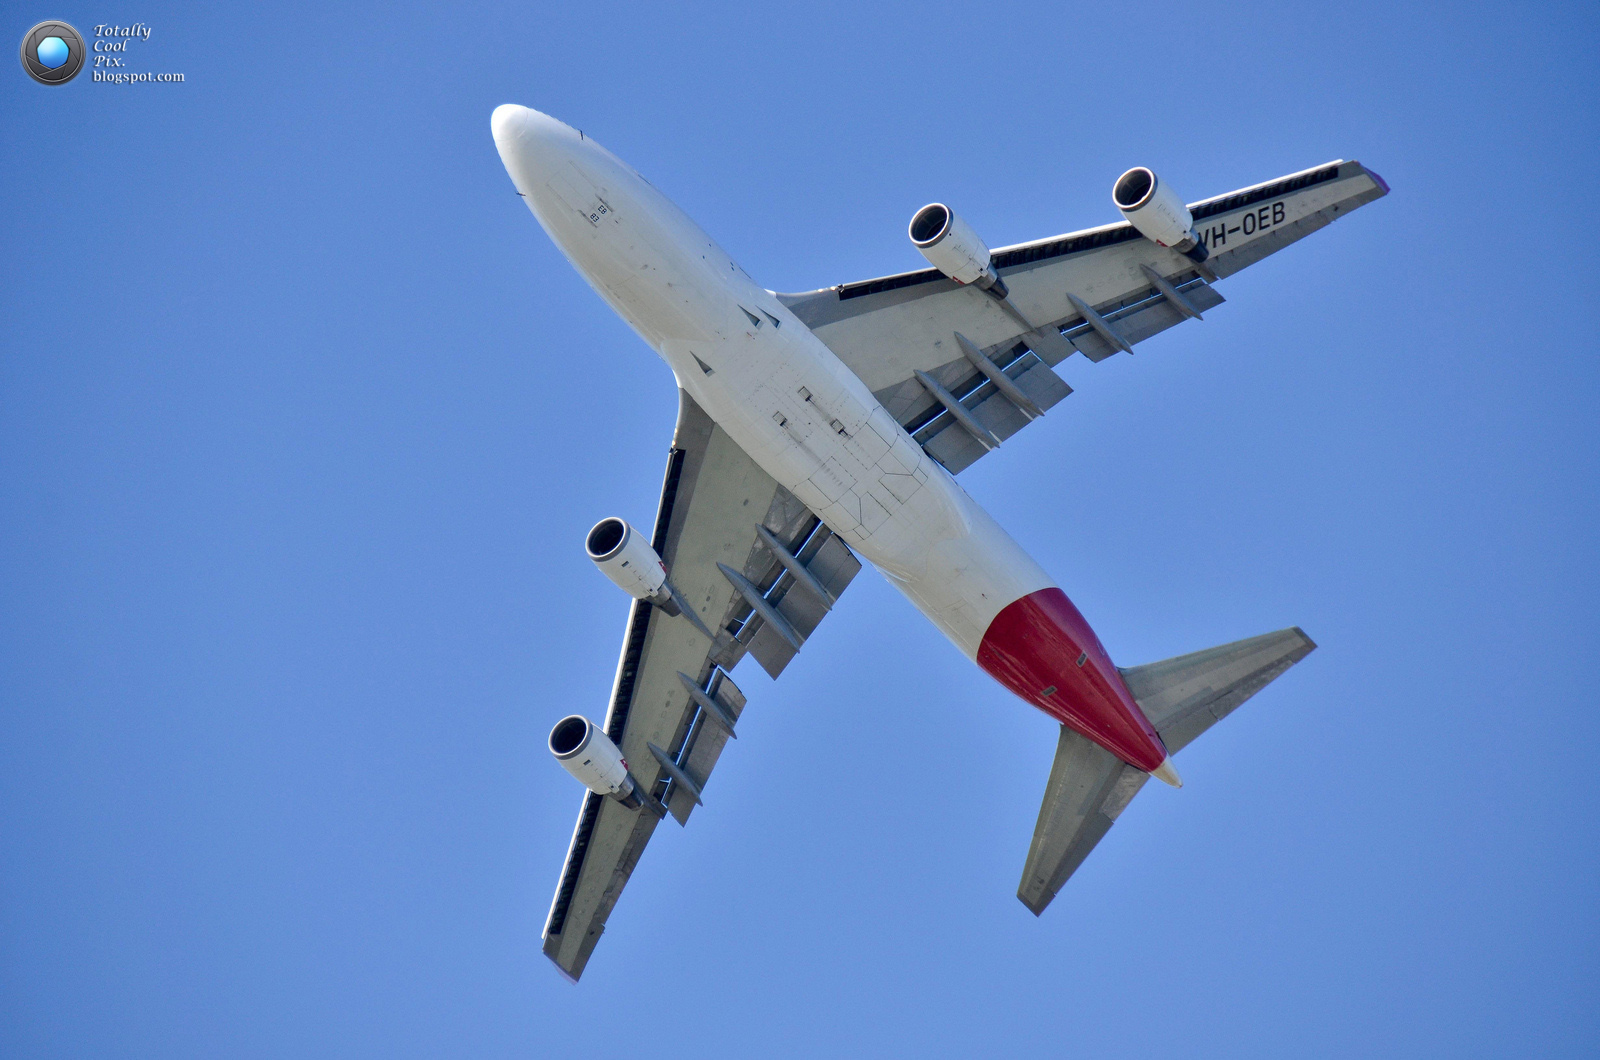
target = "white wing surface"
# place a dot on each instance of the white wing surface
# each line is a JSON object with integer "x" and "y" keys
{"x": 672, "y": 694}
{"x": 1102, "y": 290}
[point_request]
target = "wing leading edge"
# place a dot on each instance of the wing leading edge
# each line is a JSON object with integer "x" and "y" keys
{"x": 672, "y": 702}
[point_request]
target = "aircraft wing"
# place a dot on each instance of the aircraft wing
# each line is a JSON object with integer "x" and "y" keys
{"x": 672, "y": 702}
{"x": 1097, "y": 292}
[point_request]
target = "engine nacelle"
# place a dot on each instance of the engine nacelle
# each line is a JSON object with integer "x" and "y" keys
{"x": 952, "y": 247}
{"x": 624, "y": 556}
{"x": 1157, "y": 212}
{"x": 585, "y": 751}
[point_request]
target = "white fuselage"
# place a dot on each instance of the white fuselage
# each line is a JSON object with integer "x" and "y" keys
{"x": 771, "y": 384}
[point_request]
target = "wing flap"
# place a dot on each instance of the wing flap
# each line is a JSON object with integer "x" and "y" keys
{"x": 829, "y": 561}
{"x": 705, "y": 742}
{"x": 1139, "y": 316}
{"x": 955, "y": 448}
{"x": 931, "y": 426}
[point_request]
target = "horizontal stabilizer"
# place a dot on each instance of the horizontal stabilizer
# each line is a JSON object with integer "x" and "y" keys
{"x": 1186, "y": 695}
{"x": 1090, "y": 787}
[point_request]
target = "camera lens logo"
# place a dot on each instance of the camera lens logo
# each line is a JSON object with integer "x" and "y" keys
{"x": 53, "y": 53}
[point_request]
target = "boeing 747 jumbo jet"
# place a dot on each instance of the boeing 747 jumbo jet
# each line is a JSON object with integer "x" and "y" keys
{"x": 818, "y": 427}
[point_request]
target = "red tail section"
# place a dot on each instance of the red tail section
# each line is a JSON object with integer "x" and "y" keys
{"x": 1041, "y": 648}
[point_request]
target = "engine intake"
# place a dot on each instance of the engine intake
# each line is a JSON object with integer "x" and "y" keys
{"x": 624, "y": 556}
{"x": 585, "y": 751}
{"x": 952, "y": 247}
{"x": 1157, "y": 212}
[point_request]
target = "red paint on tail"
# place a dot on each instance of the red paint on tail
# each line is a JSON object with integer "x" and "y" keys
{"x": 1033, "y": 646}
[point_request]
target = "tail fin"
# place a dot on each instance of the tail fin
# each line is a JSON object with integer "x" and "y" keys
{"x": 1183, "y": 697}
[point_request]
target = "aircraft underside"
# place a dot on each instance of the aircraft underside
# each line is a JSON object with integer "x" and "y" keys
{"x": 806, "y": 403}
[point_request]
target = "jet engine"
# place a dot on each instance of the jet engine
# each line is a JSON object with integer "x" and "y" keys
{"x": 952, "y": 247}
{"x": 624, "y": 556}
{"x": 1157, "y": 212}
{"x": 585, "y": 751}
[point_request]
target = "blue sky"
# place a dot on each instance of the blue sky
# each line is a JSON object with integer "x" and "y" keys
{"x": 302, "y": 419}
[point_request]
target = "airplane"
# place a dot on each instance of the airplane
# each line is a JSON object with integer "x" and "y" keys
{"x": 820, "y": 428}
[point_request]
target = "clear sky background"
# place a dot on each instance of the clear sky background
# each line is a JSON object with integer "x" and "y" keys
{"x": 303, "y": 418}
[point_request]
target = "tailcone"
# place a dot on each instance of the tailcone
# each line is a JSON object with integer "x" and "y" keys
{"x": 1041, "y": 648}
{"x": 1167, "y": 774}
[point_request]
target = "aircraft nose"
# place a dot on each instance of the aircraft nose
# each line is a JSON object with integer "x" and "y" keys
{"x": 509, "y": 123}
{"x": 506, "y": 122}
{"x": 529, "y": 142}
{"x": 517, "y": 124}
